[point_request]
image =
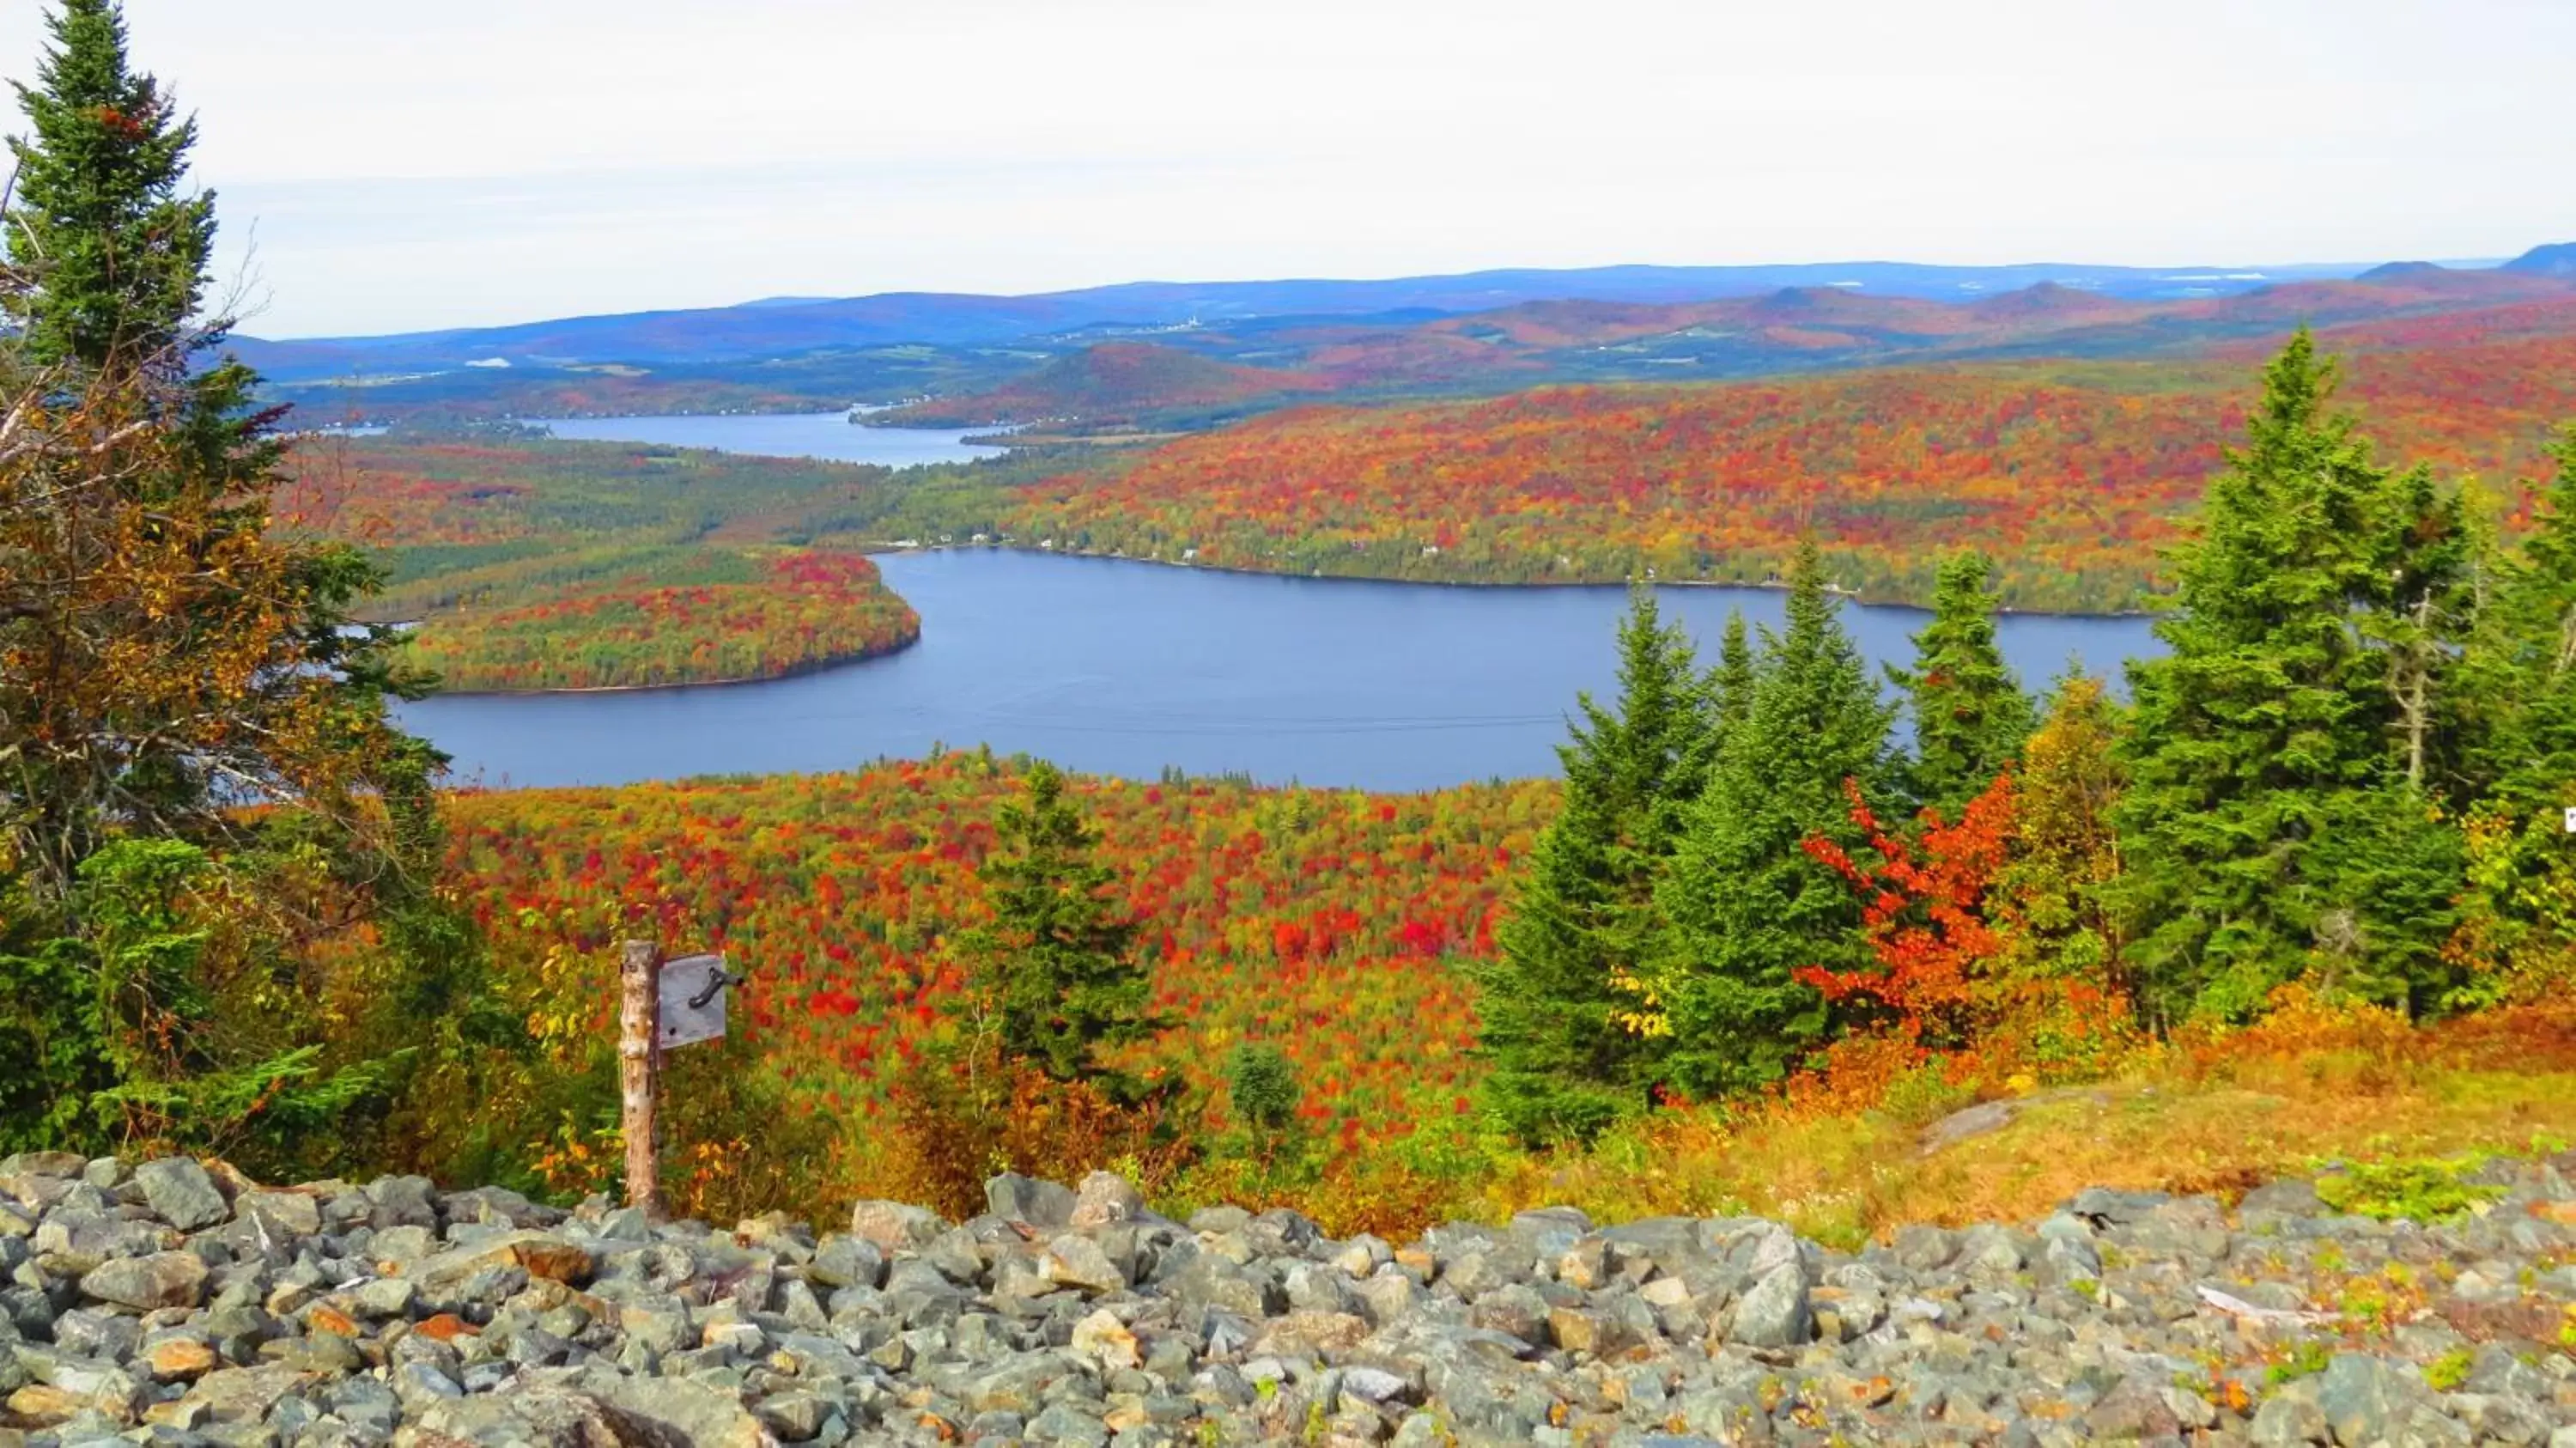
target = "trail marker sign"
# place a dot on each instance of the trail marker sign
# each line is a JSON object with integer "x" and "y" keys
{"x": 693, "y": 1000}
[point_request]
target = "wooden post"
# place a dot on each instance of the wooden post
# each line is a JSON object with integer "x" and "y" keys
{"x": 639, "y": 1070}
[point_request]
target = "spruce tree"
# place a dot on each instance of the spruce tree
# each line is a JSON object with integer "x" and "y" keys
{"x": 2523, "y": 754}
{"x": 1970, "y": 715}
{"x": 116, "y": 254}
{"x": 1731, "y": 682}
{"x": 2527, "y": 653}
{"x": 1749, "y": 906}
{"x": 2269, "y": 730}
{"x": 1559, "y": 1003}
{"x": 1055, "y": 976}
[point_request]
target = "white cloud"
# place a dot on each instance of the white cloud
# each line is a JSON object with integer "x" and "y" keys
{"x": 490, "y": 160}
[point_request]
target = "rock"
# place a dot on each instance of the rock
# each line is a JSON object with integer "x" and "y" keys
{"x": 1105, "y": 1340}
{"x": 539, "y": 1254}
{"x": 41, "y": 1406}
{"x": 2130, "y": 1412}
{"x": 1584, "y": 1330}
{"x": 386, "y": 1297}
{"x": 407, "y": 1201}
{"x": 852, "y": 1261}
{"x": 245, "y": 1395}
{"x": 1378, "y": 1387}
{"x": 1066, "y": 1425}
{"x": 1015, "y": 1198}
{"x": 796, "y": 1417}
{"x": 1958, "y": 1126}
{"x": 180, "y": 1193}
{"x": 1078, "y": 1261}
{"x": 180, "y": 1359}
{"x": 51, "y": 1164}
{"x": 2363, "y": 1398}
{"x": 1550, "y": 1232}
{"x": 1925, "y": 1249}
{"x": 1105, "y": 1199}
{"x": 1310, "y": 1334}
{"x": 162, "y": 1280}
{"x": 895, "y": 1227}
{"x": 652, "y": 1408}
{"x": 284, "y": 1216}
{"x": 1775, "y": 1313}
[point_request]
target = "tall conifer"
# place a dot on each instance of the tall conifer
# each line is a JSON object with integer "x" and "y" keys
{"x": 116, "y": 253}
{"x": 1749, "y": 906}
{"x": 2530, "y": 656}
{"x": 2272, "y": 826}
{"x": 1970, "y": 715}
{"x": 1559, "y": 1004}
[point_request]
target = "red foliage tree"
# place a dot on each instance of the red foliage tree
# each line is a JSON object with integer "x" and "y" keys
{"x": 1926, "y": 916}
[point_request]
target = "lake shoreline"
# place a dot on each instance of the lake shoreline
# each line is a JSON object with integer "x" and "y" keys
{"x": 815, "y": 666}
{"x": 888, "y": 548}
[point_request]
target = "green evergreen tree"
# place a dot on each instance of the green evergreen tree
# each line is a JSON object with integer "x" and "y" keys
{"x": 1262, "y": 1094}
{"x": 117, "y": 255}
{"x": 1970, "y": 715}
{"x": 2527, "y": 654}
{"x": 2271, "y": 725}
{"x": 1054, "y": 974}
{"x": 1731, "y": 683}
{"x": 1749, "y": 906}
{"x": 2430, "y": 566}
{"x": 2522, "y": 668}
{"x": 1555, "y": 1002}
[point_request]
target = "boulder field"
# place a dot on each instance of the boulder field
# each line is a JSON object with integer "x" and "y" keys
{"x": 176, "y": 1302}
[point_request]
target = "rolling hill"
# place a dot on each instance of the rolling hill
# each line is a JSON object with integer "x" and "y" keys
{"x": 2073, "y": 475}
{"x": 1112, "y": 382}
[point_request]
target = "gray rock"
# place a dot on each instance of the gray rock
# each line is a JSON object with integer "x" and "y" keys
{"x": 1105, "y": 1199}
{"x": 282, "y": 1217}
{"x": 1016, "y": 1198}
{"x": 1776, "y": 1312}
{"x": 1072, "y": 1260}
{"x": 386, "y": 1297}
{"x": 1550, "y": 1232}
{"x": 2364, "y": 1398}
{"x": 163, "y": 1280}
{"x": 180, "y": 1193}
{"x": 895, "y": 1227}
{"x": 2287, "y": 1198}
{"x": 852, "y": 1261}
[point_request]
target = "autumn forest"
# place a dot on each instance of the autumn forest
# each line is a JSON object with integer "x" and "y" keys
{"x": 2299, "y": 884}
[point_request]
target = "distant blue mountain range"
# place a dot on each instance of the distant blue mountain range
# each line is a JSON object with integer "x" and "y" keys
{"x": 793, "y": 326}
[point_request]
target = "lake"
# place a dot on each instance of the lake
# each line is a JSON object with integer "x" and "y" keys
{"x": 1123, "y": 668}
{"x": 830, "y": 436}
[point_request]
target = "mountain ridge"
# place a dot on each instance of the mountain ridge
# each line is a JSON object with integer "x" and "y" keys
{"x": 782, "y": 326}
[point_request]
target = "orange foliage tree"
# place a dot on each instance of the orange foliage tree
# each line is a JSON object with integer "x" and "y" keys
{"x": 1925, "y": 919}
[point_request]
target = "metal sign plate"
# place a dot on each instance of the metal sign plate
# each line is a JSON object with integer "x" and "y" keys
{"x": 693, "y": 1000}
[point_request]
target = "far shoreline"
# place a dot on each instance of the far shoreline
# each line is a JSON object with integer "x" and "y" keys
{"x": 888, "y": 549}
{"x": 811, "y": 666}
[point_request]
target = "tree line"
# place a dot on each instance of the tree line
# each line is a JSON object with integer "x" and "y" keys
{"x": 2349, "y": 772}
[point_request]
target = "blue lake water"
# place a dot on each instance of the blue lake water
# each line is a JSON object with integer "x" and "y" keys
{"x": 827, "y": 435}
{"x": 1122, "y": 668}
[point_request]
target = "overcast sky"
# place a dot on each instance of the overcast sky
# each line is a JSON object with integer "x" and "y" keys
{"x": 462, "y": 162}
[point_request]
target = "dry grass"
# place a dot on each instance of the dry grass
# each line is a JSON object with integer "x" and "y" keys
{"x": 2212, "y": 1115}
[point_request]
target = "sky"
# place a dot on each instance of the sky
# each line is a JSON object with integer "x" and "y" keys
{"x": 400, "y": 166}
